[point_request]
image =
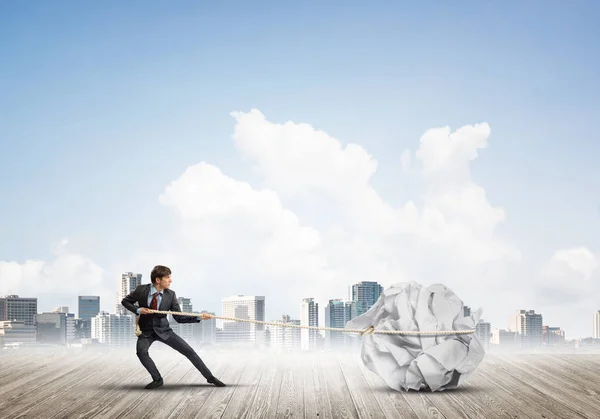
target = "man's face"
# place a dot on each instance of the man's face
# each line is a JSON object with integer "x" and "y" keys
{"x": 164, "y": 282}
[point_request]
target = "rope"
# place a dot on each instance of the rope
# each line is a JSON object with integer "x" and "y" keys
{"x": 368, "y": 331}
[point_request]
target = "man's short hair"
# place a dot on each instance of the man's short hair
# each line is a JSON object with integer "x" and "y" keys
{"x": 159, "y": 271}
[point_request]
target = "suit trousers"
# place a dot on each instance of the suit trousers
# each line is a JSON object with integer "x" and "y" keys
{"x": 175, "y": 342}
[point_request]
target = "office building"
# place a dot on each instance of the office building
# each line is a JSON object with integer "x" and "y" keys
{"x": 243, "y": 307}
{"x": 128, "y": 283}
{"x": 552, "y": 336}
{"x": 528, "y": 326}
{"x": 51, "y": 328}
{"x": 16, "y": 332}
{"x": 483, "y": 333}
{"x": 113, "y": 329}
{"x": 15, "y": 308}
{"x": 309, "y": 316}
{"x": 337, "y": 313}
{"x": 285, "y": 338}
{"x": 364, "y": 294}
{"x": 88, "y": 306}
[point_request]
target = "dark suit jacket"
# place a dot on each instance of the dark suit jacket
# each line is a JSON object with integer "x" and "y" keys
{"x": 156, "y": 322}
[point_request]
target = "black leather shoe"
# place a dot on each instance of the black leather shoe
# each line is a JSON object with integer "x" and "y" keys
{"x": 216, "y": 382}
{"x": 155, "y": 383}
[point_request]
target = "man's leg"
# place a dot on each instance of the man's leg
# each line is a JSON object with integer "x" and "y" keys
{"x": 143, "y": 344}
{"x": 181, "y": 346}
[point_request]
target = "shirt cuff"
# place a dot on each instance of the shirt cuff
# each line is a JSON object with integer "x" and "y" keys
{"x": 138, "y": 310}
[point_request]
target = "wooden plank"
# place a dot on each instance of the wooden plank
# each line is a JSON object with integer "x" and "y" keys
{"x": 456, "y": 404}
{"x": 537, "y": 399}
{"x": 30, "y": 390}
{"x": 342, "y": 405}
{"x": 367, "y": 404}
{"x": 559, "y": 387}
{"x": 583, "y": 374}
{"x": 126, "y": 395}
{"x": 583, "y": 371}
{"x": 246, "y": 388}
{"x": 14, "y": 365}
{"x": 166, "y": 399}
{"x": 590, "y": 362}
{"x": 33, "y": 371}
{"x": 491, "y": 398}
{"x": 37, "y": 403}
{"x": 219, "y": 397}
{"x": 98, "y": 391}
{"x": 263, "y": 384}
{"x": 184, "y": 380}
{"x": 193, "y": 398}
{"x": 403, "y": 402}
{"x": 510, "y": 397}
{"x": 264, "y": 403}
{"x": 290, "y": 403}
{"x": 465, "y": 401}
{"x": 315, "y": 395}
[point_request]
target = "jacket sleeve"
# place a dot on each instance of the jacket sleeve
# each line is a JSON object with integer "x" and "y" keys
{"x": 181, "y": 319}
{"x": 130, "y": 300}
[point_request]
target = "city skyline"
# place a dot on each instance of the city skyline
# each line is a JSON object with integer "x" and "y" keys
{"x": 364, "y": 292}
{"x": 293, "y": 149}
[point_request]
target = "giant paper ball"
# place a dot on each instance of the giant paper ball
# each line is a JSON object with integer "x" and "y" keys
{"x": 413, "y": 362}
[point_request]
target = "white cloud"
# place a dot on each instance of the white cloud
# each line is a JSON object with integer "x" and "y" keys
{"x": 297, "y": 160}
{"x": 566, "y": 290}
{"x": 579, "y": 260}
{"x": 61, "y": 280}
{"x": 318, "y": 225}
{"x": 240, "y": 236}
{"x": 445, "y": 156}
{"x": 569, "y": 275}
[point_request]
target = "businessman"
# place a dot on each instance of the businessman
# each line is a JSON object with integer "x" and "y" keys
{"x": 155, "y": 327}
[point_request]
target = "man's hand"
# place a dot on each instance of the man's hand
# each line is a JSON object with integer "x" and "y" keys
{"x": 144, "y": 310}
{"x": 205, "y": 316}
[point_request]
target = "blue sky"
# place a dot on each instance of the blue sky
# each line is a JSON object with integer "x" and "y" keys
{"x": 102, "y": 105}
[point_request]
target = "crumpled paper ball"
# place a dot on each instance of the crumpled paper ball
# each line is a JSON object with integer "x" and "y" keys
{"x": 419, "y": 362}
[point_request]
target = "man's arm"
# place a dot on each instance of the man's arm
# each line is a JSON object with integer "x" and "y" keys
{"x": 178, "y": 318}
{"x": 129, "y": 301}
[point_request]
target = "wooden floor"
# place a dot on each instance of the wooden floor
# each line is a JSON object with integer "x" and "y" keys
{"x": 265, "y": 385}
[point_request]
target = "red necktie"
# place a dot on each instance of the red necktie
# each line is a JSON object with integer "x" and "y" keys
{"x": 154, "y": 302}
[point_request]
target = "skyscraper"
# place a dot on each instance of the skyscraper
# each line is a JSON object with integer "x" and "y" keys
{"x": 88, "y": 306}
{"x": 13, "y": 307}
{"x": 483, "y": 331}
{"x": 365, "y": 294}
{"x": 286, "y": 338}
{"x": 70, "y": 319}
{"x": 552, "y": 335}
{"x": 337, "y": 313}
{"x": 205, "y": 332}
{"x": 309, "y": 316}
{"x": 243, "y": 307}
{"x": 129, "y": 282}
{"x": 596, "y": 330}
{"x": 113, "y": 329}
{"x": 184, "y": 330}
{"x": 528, "y": 325}
{"x": 52, "y": 328}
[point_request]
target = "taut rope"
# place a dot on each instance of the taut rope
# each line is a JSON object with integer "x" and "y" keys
{"x": 368, "y": 331}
